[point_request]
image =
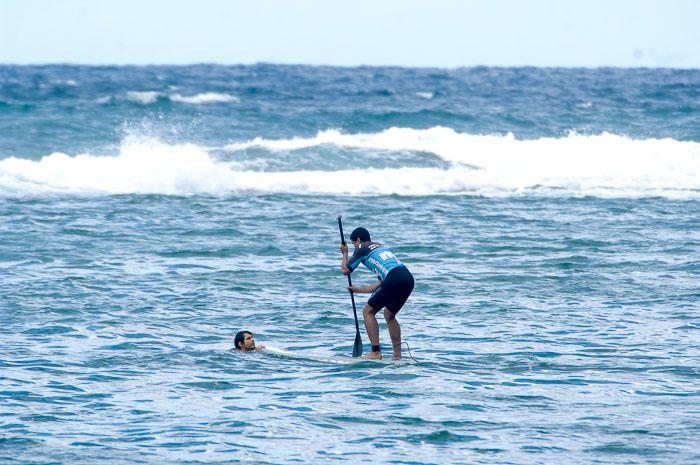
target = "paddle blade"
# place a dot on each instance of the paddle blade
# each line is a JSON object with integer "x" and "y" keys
{"x": 357, "y": 348}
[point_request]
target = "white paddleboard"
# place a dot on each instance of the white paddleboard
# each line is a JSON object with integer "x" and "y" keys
{"x": 338, "y": 360}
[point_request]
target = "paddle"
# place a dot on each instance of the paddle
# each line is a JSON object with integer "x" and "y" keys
{"x": 357, "y": 348}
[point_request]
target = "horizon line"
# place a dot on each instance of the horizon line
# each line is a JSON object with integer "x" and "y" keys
{"x": 347, "y": 66}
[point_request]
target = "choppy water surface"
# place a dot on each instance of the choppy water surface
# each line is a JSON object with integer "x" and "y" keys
{"x": 550, "y": 218}
{"x": 546, "y": 331}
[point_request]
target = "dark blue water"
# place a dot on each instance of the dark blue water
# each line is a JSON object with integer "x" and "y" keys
{"x": 550, "y": 218}
{"x": 77, "y": 108}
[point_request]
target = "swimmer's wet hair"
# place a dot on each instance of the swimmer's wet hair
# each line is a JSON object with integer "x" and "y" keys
{"x": 238, "y": 341}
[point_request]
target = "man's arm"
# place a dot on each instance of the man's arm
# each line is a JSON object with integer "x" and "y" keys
{"x": 366, "y": 289}
{"x": 344, "y": 263}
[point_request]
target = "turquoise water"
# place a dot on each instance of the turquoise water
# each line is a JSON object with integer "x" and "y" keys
{"x": 550, "y": 218}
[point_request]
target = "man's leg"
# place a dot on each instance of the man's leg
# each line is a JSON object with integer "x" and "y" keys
{"x": 372, "y": 328}
{"x": 394, "y": 332}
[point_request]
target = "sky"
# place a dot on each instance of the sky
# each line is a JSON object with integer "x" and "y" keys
{"x": 423, "y": 33}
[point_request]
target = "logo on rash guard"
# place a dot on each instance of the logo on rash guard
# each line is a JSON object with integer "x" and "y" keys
{"x": 378, "y": 265}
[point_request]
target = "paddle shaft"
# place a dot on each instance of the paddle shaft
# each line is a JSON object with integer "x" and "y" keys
{"x": 352, "y": 295}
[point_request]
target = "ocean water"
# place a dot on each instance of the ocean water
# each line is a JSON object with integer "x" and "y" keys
{"x": 551, "y": 219}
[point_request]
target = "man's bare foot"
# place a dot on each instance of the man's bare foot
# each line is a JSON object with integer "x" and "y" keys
{"x": 395, "y": 358}
{"x": 373, "y": 355}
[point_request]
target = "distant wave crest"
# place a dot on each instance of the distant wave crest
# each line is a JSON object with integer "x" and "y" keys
{"x": 150, "y": 97}
{"x": 206, "y": 97}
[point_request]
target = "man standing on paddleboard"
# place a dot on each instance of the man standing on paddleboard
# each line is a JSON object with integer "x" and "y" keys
{"x": 390, "y": 292}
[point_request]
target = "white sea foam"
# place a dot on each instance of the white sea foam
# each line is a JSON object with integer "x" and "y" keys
{"x": 204, "y": 98}
{"x": 604, "y": 165}
{"x": 144, "y": 97}
{"x": 67, "y": 82}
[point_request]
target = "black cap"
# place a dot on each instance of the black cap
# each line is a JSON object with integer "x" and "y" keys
{"x": 360, "y": 233}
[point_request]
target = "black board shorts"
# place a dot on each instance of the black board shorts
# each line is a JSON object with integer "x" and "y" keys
{"x": 394, "y": 290}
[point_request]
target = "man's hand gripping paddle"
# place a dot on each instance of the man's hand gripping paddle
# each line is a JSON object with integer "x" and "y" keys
{"x": 357, "y": 348}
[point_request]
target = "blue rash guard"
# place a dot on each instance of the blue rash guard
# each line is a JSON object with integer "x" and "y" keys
{"x": 377, "y": 258}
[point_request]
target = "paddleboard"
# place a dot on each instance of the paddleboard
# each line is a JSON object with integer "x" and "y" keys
{"x": 338, "y": 360}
